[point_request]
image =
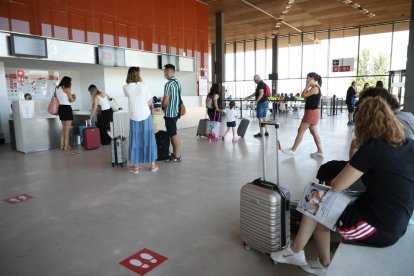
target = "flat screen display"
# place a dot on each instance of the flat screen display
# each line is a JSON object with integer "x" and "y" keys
{"x": 166, "y": 59}
{"x": 109, "y": 56}
{"x": 28, "y": 46}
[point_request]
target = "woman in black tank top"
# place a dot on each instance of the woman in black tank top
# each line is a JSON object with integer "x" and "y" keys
{"x": 312, "y": 95}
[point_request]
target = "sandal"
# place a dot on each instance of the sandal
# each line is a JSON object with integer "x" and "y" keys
{"x": 67, "y": 148}
{"x": 153, "y": 168}
{"x": 134, "y": 169}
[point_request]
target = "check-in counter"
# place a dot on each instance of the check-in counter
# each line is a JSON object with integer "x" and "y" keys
{"x": 34, "y": 128}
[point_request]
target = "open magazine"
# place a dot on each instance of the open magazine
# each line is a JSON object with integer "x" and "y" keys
{"x": 322, "y": 204}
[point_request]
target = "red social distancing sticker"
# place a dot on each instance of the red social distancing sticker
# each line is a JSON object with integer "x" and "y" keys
{"x": 17, "y": 199}
{"x": 143, "y": 261}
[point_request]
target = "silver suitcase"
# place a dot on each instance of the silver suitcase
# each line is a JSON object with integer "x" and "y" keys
{"x": 264, "y": 210}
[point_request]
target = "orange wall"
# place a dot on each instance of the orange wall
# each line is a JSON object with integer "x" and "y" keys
{"x": 166, "y": 26}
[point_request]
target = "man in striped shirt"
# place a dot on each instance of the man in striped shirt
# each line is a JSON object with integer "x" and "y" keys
{"x": 171, "y": 105}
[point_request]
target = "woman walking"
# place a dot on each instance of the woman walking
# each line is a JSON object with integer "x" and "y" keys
{"x": 312, "y": 95}
{"x": 142, "y": 144}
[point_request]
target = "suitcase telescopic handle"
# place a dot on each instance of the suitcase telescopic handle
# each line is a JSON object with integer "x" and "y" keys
{"x": 276, "y": 125}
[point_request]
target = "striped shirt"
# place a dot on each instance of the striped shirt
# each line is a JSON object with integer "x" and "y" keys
{"x": 172, "y": 90}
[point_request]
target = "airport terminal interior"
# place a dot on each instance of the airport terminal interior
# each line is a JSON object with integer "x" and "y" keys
{"x": 73, "y": 211}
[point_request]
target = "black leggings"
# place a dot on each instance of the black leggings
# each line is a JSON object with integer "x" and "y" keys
{"x": 103, "y": 124}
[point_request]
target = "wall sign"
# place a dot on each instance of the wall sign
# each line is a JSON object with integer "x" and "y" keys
{"x": 343, "y": 65}
{"x": 18, "y": 199}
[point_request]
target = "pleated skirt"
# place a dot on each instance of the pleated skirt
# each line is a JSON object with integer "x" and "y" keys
{"x": 142, "y": 144}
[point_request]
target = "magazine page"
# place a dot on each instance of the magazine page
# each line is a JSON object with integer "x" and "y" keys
{"x": 322, "y": 204}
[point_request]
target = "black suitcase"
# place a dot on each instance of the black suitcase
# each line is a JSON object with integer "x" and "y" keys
{"x": 202, "y": 126}
{"x": 241, "y": 130}
{"x": 264, "y": 211}
{"x": 163, "y": 145}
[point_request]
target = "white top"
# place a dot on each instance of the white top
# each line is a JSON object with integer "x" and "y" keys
{"x": 62, "y": 97}
{"x": 230, "y": 114}
{"x": 104, "y": 103}
{"x": 138, "y": 96}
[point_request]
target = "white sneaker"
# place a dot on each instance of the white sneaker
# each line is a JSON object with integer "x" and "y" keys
{"x": 287, "y": 256}
{"x": 288, "y": 151}
{"x": 315, "y": 267}
{"x": 317, "y": 154}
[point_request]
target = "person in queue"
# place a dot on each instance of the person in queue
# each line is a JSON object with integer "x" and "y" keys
{"x": 101, "y": 100}
{"x": 379, "y": 217}
{"x": 142, "y": 144}
{"x": 65, "y": 97}
{"x": 262, "y": 104}
{"x": 312, "y": 95}
{"x": 171, "y": 105}
{"x": 212, "y": 103}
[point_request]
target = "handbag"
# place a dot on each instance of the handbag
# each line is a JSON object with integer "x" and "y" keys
{"x": 53, "y": 107}
{"x": 182, "y": 109}
{"x": 114, "y": 105}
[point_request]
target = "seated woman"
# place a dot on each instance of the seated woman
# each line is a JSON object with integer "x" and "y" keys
{"x": 385, "y": 161}
{"x": 101, "y": 99}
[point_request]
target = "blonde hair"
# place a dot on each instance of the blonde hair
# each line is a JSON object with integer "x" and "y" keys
{"x": 133, "y": 75}
{"x": 375, "y": 120}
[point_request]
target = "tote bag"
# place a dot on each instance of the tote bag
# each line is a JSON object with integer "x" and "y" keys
{"x": 53, "y": 107}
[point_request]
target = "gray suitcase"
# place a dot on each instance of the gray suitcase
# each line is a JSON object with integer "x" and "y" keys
{"x": 202, "y": 126}
{"x": 264, "y": 211}
{"x": 119, "y": 148}
{"x": 241, "y": 130}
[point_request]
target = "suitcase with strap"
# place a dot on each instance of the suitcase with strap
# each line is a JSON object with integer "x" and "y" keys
{"x": 264, "y": 210}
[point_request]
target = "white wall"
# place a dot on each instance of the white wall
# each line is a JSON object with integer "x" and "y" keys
{"x": 5, "y": 109}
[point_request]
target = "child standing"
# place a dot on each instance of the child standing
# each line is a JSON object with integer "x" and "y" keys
{"x": 231, "y": 121}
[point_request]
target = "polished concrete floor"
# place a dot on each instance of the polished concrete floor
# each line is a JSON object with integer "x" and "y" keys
{"x": 85, "y": 216}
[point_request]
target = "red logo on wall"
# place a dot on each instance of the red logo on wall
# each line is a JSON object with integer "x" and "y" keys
{"x": 335, "y": 69}
{"x": 344, "y": 68}
{"x": 17, "y": 199}
{"x": 20, "y": 76}
{"x": 143, "y": 261}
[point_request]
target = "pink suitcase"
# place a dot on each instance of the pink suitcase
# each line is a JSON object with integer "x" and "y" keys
{"x": 91, "y": 138}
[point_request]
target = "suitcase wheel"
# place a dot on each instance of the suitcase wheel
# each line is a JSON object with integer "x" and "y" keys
{"x": 246, "y": 246}
{"x": 113, "y": 165}
{"x": 122, "y": 165}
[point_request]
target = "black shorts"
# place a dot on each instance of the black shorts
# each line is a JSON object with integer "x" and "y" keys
{"x": 356, "y": 231}
{"x": 351, "y": 108}
{"x": 65, "y": 113}
{"x": 231, "y": 124}
{"x": 171, "y": 125}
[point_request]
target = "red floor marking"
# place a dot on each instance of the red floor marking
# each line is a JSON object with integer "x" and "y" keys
{"x": 17, "y": 199}
{"x": 143, "y": 261}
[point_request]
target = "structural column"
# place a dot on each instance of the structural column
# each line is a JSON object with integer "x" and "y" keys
{"x": 409, "y": 82}
{"x": 274, "y": 75}
{"x": 219, "y": 53}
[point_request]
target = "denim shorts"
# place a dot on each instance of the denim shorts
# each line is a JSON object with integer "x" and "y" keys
{"x": 262, "y": 109}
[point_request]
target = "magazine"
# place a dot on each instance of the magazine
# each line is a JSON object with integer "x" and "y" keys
{"x": 322, "y": 204}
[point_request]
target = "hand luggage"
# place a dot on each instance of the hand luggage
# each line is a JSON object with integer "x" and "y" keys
{"x": 118, "y": 147}
{"x": 213, "y": 129}
{"x": 202, "y": 126}
{"x": 91, "y": 137}
{"x": 163, "y": 145}
{"x": 241, "y": 130}
{"x": 264, "y": 210}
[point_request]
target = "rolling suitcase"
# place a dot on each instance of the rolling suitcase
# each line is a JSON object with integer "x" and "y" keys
{"x": 202, "y": 126}
{"x": 264, "y": 211}
{"x": 163, "y": 145}
{"x": 241, "y": 130}
{"x": 91, "y": 137}
{"x": 118, "y": 147}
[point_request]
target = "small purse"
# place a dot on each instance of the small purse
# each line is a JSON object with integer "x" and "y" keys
{"x": 114, "y": 105}
{"x": 53, "y": 107}
{"x": 182, "y": 109}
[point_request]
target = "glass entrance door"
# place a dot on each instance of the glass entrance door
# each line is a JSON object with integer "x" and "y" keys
{"x": 396, "y": 84}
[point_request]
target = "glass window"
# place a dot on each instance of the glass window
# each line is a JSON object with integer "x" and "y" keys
{"x": 229, "y": 57}
{"x": 283, "y": 57}
{"x": 399, "y": 46}
{"x": 295, "y": 56}
{"x": 249, "y": 61}
{"x": 260, "y": 58}
{"x": 374, "y": 53}
{"x": 308, "y": 61}
{"x": 240, "y": 61}
{"x": 321, "y": 47}
{"x": 343, "y": 53}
